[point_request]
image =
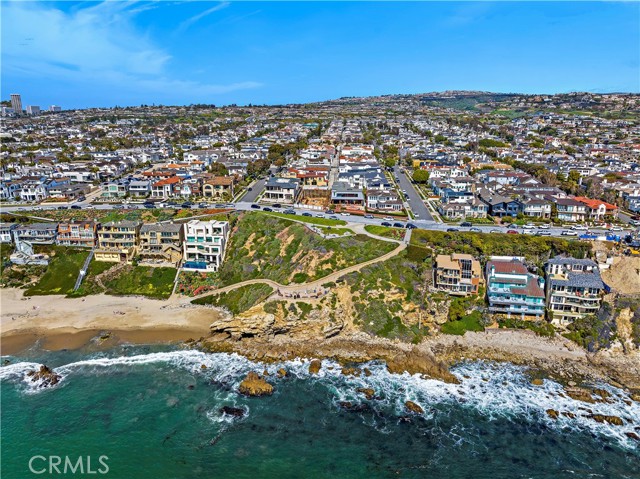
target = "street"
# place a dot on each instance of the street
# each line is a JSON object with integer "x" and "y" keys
{"x": 416, "y": 204}
{"x": 256, "y": 189}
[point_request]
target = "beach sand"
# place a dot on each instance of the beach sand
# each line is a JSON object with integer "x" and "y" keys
{"x": 57, "y": 322}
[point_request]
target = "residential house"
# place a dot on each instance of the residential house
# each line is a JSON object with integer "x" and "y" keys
{"x": 535, "y": 207}
{"x": 77, "y": 233}
{"x": 218, "y": 187}
{"x": 596, "y": 209}
{"x": 118, "y": 241}
{"x": 33, "y": 191}
{"x": 139, "y": 187}
{"x": 161, "y": 242}
{"x": 114, "y": 189}
{"x": 166, "y": 188}
{"x": 571, "y": 210}
{"x": 384, "y": 200}
{"x": 499, "y": 206}
{"x": 457, "y": 274}
{"x": 574, "y": 288}
{"x": 6, "y": 232}
{"x": 348, "y": 196}
{"x": 281, "y": 190}
{"x": 512, "y": 290}
{"x": 204, "y": 245}
{"x": 36, "y": 233}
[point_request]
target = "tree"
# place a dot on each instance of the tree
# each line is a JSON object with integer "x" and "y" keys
{"x": 574, "y": 176}
{"x": 219, "y": 169}
{"x": 420, "y": 176}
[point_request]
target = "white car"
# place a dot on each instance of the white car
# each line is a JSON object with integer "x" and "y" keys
{"x": 529, "y": 226}
{"x": 388, "y": 218}
{"x": 320, "y": 215}
{"x": 579, "y": 228}
{"x": 345, "y": 214}
{"x": 616, "y": 228}
{"x": 544, "y": 227}
{"x": 569, "y": 233}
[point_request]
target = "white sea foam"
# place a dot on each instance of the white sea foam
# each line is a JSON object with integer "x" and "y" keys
{"x": 495, "y": 390}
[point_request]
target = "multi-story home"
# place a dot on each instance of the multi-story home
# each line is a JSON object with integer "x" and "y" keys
{"x": 204, "y": 245}
{"x": 387, "y": 200}
{"x": 161, "y": 242}
{"x": 574, "y": 288}
{"x": 36, "y": 233}
{"x": 499, "y": 205}
{"x": 218, "y": 187}
{"x": 570, "y": 210}
{"x": 77, "y": 233}
{"x": 33, "y": 191}
{"x": 166, "y": 188}
{"x": 512, "y": 290}
{"x": 596, "y": 210}
{"x": 281, "y": 190}
{"x": 114, "y": 189}
{"x": 535, "y": 207}
{"x": 6, "y": 229}
{"x": 10, "y": 190}
{"x": 348, "y": 196}
{"x": 139, "y": 187}
{"x": 118, "y": 241}
{"x": 458, "y": 274}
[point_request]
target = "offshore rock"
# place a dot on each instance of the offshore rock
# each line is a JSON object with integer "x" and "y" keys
{"x": 254, "y": 385}
{"x": 45, "y": 375}
{"x": 368, "y": 392}
{"x": 417, "y": 361}
{"x": 413, "y": 407}
{"x": 580, "y": 394}
{"x": 314, "y": 366}
{"x": 232, "y": 411}
{"x": 613, "y": 420}
{"x": 552, "y": 413}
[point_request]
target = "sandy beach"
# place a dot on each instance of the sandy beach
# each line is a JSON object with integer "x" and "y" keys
{"x": 57, "y": 322}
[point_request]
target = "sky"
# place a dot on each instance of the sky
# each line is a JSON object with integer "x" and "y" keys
{"x": 103, "y": 54}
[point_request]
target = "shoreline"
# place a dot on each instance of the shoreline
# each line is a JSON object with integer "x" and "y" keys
{"x": 56, "y": 323}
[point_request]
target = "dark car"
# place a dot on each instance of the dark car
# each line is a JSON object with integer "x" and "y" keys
{"x": 203, "y": 205}
{"x": 277, "y": 205}
{"x": 398, "y": 225}
{"x": 306, "y": 214}
{"x": 465, "y": 224}
{"x": 386, "y": 223}
{"x": 256, "y": 207}
{"x": 369, "y": 217}
{"x": 76, "y": 207}
{"x": 82, "y": 198}
{"x": 149, "y": 205}
{"x": 187, "y": 204}
{"x": 451, "y": 230}
{"x": 411, "y": 226}
{"x": 62, "y": 207}
{"x": 290, "y": 212}
{"x": 266, "y": 208}
{"x": 329, "y": 212}
{"x": 249, "y": 189}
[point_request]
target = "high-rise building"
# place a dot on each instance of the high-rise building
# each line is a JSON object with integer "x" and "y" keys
{"x": 55, "y": 108}
{"x": 204, "y": 245}
{"x": 16, "y": 103}
{"x": 33, "y": 110}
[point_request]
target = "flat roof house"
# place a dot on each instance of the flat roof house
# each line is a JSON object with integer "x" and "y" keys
{"x": 77, "y": 233}
{"x": 281, "y": 190}
{"x": 161, "y": 242}
{"x": 204, "y": 245}
{"x": 118, "y": 241}
{"x": 512, "y": 290}
{"x": 458, "y": 274}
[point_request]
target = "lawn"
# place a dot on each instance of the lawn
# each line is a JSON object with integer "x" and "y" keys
{"x": 470, "y": 322}
{"x": 142, "y": 280}
{"x": 386, "y": 232}
{"x": 238, "y": 300}
{"x": 310, "y": 219}
{"x": 61, "y": 273}
{"x": 265, "y": 246}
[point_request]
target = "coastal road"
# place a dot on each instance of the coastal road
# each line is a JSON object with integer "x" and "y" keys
{"x": 256, "y": 189}
{"x": 416, "y": 203}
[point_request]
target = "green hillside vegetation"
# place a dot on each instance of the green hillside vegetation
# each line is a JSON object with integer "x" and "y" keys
{"x": 61, "y": 273}
{"x": 238, "y": 300}
{"x": 264, "y": 246}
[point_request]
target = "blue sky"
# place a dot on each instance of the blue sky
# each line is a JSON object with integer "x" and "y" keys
{"x": 83, "y": 54}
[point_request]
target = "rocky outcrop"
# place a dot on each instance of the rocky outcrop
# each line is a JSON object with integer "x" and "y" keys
{"x": 613, "y": 420}
{"x": 552, "y": 413}
{"x": 368, "y": 392}
{"x": 537, "y": 382}
{"x": 282, "y": 373}
{"x": 632, "y": 435}
{"x": 418, "y": 361}
{"x": 232, "y": 411}
{"x": 580, "y": 394}
{"x": 413, "y": 407}
{"x": 254, "y": 385}
{"x": 45, "y": 376}
{"x": 314, "y": 366}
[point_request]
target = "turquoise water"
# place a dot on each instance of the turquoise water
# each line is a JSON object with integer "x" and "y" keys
{"x": 155, "y": 413}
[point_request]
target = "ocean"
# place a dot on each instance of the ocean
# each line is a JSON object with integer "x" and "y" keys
{"x": 154, "y": 412}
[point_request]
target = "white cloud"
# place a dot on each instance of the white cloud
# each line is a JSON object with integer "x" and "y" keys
{"x": 98, "y": 43}
{"x": 190, "y": 21}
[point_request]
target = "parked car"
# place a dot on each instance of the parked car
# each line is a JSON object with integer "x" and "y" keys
{"x": 306, "y": 214}
{"x": 76, "y": 207}
{"x": 369, "y": 217}
{"x": 616, "y": 228}
{"x": 579, "y": 228}
{"x": 249, "y": 189}
{"x": 62, "y": 208}
{"x": 398, "y": 225}
{"x": 149, "y": 205}
{"x": 452, "y": 230}
{"x": 388, "y": 218}
{"x": 411, "y": 226}
{"x": 544, "y": 226}
{"x": 529, "y": 226}
{"x": 475, "y": 230}
{"x": 495, "y": 231}
{"x": 276, "y": 205}
{"x": 329, "y": 212}
{"x": 512, "y": 232}
{"x": 255, "y": 207}
{"x": 569, "y": 233}
{"x": 386, "y": 223}
{"x": 320, "y": 215}
{"x": 81, "y": 198}
{"x": 512, "y": 225}
{"x": 465, "y": 224}
{"x": 543, "y": 233}
{"x": 290, "y": 212}
{"x": 345, "y": 214}
{"x": 187, "y": 204}
{"x": 266, "y": 208}
{"x": 203, "y": 205}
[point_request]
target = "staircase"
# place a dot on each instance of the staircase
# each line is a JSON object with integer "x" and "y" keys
{"x": 83, "y": 270}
